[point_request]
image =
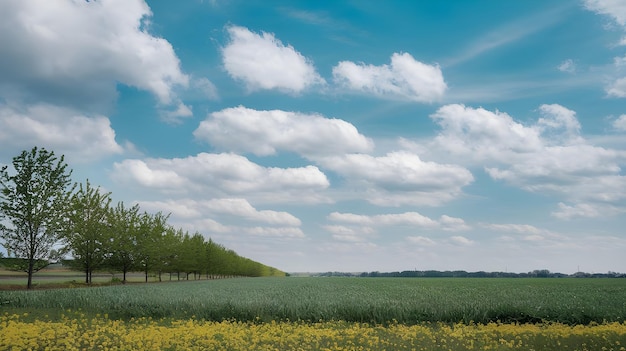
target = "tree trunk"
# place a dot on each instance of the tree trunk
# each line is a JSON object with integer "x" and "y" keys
{"x": 31, "y": 265}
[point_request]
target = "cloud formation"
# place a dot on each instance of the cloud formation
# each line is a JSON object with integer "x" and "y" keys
{"x": 66, "y": 131}
{"x": 76, "y": 52}
{"x": 616, "y": 10}
{"x": 549, "y": 156}
{"x": 262, "y": 62}
{"x": 223, "y": 175}
{"x": 400, "y": 178}
{"x": 405, "y": 78}
{"x": 265, "y": 133}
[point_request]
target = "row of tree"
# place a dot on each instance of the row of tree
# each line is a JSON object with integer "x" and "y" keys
{"x": 43, "y": 212}
{"x": 539, "y": 273}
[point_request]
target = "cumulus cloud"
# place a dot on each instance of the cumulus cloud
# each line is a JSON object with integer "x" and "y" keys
{"x": 586, "y": 210}
{"x": 549, "y": 156}
{"x": 175, "y": 116}
{"x": 407, "y": 218}
{"x": 420, "y": 241}
{"x": 616, "y": 9}
{"x": 410, "y": 219}
{"x": 620, "y": 123}
{"x": 461, "y": 241}
{"x": 617, "y": 88}
{"x": 66, "y": 131}
{"x": 223, "y": 175}
{"x": 349, "y": 234}
{"x": 567, "y": 66}
{"x": 514, "y": 228}
{"x": 236, "y": 207}
{"x": 263, "y": 133}
{"x": 453, "y": 224}
{"x": 261, "y": 61}
{"x": 400, "y": 178}
{"x": 76, "y": 52}
{"x": 482, "y": 134}
{"x": 405, "y": 78}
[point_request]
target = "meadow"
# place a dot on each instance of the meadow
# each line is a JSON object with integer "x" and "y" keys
{"x": 363, "y": 300}
{"x": 322, "y": 314}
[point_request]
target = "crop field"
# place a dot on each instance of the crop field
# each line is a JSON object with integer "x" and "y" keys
{"x": 324, "y": 313}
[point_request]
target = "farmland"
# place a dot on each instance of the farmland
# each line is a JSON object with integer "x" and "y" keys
{"x": 323, "y": 313}
{"x": 364, "y": 300}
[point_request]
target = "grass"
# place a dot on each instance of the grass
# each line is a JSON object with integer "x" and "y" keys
{"x": 365, "y": 300}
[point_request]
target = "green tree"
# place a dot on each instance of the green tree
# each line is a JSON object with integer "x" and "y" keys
{"x": 34, "y": 202}
{"x": 87, "y": 235}
{"x": 123, "y": 223}
{"x": 150, "y": 250}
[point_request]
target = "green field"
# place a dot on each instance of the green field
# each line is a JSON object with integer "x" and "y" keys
{"x": 370, "y": 300}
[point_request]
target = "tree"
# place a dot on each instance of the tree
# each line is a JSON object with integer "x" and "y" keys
{"x": 150, "y": 242}
{"x": 123, "y": 223}
{"x": 87, "y": 235}
{"x": 34, "y": 201}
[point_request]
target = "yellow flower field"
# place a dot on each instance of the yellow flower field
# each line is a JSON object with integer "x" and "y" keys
{"x": 78, "y": 332}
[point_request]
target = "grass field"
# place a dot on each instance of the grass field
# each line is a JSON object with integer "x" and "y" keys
{"x": 451, "y": 314}
{"x": 364, "y": 300}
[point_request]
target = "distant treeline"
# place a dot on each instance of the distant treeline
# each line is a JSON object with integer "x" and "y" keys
{"x": 543, "y": 273}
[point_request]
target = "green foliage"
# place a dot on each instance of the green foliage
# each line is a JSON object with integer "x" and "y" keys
{"x": 87, "y": 235}
{"x": 123, "y": 223}
{"x": 34, "y": 201}
{"x": 376, "y": 301}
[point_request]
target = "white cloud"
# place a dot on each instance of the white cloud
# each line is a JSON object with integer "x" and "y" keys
{"x": 263, "y": 133}
{"x": 262, "y": 62}
{"x": 63, "y": 130}
{"x": 410, "y": 219}
{"x": 514, "y": 228}
{"x": 559, "y": 124}
{"x": 406, "y": 78}
{"x": 620, "y": 123}
{"x": 207, "y": 89}
{"x": 586, "y": 210}
{"x": 76, "y": 52}
{"x": 349, "y": 234}
{"x": 483, "y": 135}
{"x": 236, "y": 207}
{"x": 421, "y": 241}
{"x": 461, "y": 240}
{"x": 242, "y": 208}
{"x": 175, "y": 116}
{"x": 400, "y": 178}
{"x": 567, "y": 66}
{"x": 453, "y": 224}
{"x": 282, "y": 232}
{"x": 616, "y": 9}
{"x": 224, "y": 175}
{"x": 395, "y": 219}
{"x": 618, "y": 88}
{"x": 549, "y": 157}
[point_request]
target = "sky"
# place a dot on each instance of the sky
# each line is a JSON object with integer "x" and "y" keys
{"x": 348, "y": 136}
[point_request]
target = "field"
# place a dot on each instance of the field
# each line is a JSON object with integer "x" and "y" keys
{"x": 328, "y": 313}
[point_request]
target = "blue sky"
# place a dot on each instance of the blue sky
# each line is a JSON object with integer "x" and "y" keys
{"x": 339, "y": 136}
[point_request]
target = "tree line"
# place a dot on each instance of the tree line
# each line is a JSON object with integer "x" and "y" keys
{"x": 539, "y": 273}
{"x": 44, "y": 215}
